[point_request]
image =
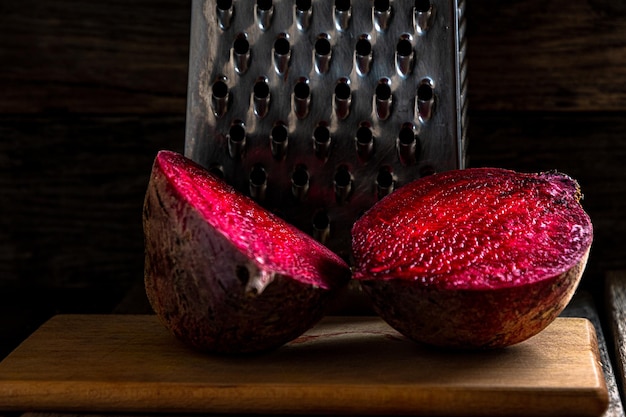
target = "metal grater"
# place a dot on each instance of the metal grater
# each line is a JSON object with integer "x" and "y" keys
{"x": 319, "y": 108}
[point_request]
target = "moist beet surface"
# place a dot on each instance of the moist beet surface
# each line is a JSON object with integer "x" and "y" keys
{"x": 223, "y": 274}
{"x": 256, "y": 232}
{"x": 472, "y": 229}
{"x": 479, "y": 258}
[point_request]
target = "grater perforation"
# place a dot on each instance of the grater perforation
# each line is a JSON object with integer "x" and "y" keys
{"x": 319, "y": 108}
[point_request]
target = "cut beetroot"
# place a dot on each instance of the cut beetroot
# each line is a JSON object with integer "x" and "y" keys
{"x": 473, "y": 258}
{"x": 224, "y": 274}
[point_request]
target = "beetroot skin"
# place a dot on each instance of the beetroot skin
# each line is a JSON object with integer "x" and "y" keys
{"x": 223, "y": 274}
{"x": 474, "y": 258}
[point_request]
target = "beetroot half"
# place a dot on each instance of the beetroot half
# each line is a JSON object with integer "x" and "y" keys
{"x": 474, "y": 258}
{"x": 222, "y": 273}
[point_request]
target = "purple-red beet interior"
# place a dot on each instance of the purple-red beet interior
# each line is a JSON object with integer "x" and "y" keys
{"x": 262, "y": 236}
{"x": 474, "y": 229}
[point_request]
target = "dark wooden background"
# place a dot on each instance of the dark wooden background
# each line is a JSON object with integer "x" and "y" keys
{"x": 89, "y": 91}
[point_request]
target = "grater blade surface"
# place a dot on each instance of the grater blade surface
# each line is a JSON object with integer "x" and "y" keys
{"x": 317, "y": 109}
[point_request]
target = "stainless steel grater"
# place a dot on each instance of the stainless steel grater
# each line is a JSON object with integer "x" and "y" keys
{"x": 318, "y": 108}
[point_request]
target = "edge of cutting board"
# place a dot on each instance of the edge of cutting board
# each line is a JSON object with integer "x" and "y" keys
{"x": 352, "y": 365}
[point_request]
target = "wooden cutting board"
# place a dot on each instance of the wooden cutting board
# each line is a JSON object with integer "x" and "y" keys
{"x": 351, "y": 365}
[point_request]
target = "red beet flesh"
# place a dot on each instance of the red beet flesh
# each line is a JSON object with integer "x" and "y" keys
{"x": 224, "y": 274}
{"x": 474, "y": 258}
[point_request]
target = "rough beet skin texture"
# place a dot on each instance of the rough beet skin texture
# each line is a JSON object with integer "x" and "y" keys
{"x": 474, "y": 258}
{"x": 222, "y": 273}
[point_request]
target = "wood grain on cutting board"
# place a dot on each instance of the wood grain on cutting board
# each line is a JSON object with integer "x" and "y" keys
{"x": 356, "y": 365}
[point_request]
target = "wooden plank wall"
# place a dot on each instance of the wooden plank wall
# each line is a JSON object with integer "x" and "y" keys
{"x": 89, "y": 91}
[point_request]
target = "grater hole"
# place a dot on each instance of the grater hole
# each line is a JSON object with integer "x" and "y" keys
{"x": 425, "y": 92}
{"x": 343, "y": 184}
{"x": 279, "y": 133}
{"x": 265, "y": 5}
{"x": 241, "y": 53}
{"x": 261, "y": 89}
{"x": 219, "y": 97}
{"x": 321, "y": 220}
{"x": 282, "y": 46}
{"x": 303, "y": 14}
{"x": 425, "y": 100}
{"x": 279, "y": 138}
{"x": 264, "y": 13}
{"x": 224, "y": 13}
{"x": 381, "y": 5}
{"x": 422, "y": 16}
{"x": 342, "y": 90}
{"x": 237, "y": 132}
{"x": 363, "y": 52}
{"x": 382, "y": 14}
{"x": 363, "y": 47}
{"x": 364, "y": 135}
{"x": 321, "y": 134}
{"x": 258, "y": 182}
{"x": 300, "y": 182}
{"x": 404, "y": 48}
{"x": 241, "y": 46}
{"x": 321, "y": 225}
{"x": 404, "y": 55}
{"x": 300, "y": 176}
{"x": 343, "y": 14}
{"x": 282, "y": 53}
{"x": 383, "y": 91}
{"x": 342, "y": 5}
{"x": 406, "y": 136}
{"x": 422, "y": 6}
{"x": 383, "y": 99}
{"x": 385, "y": 182}
{"x": 384, "y": 178}
{"x": 322, "y": 53}
{"x": 322, "y": 46}
{"x": 258, "y": 176}
{"x": 224, "y": 4}
{"x": 321, "y": 141}
{"x": 303, "y": 5}
{"x": 217, "y": 170}
{"x": 301, "y": 98}
{"x": 343, "y": 177}
{"x": 219, "y": 89}
{"x": 364, "y": 138}
{"x": 261, "y": 97}
{"x": 407, "y": 144}
{"x": 236, "y": 139}
{"x": 302, "y": 90}
{"x": 342, "y": 98}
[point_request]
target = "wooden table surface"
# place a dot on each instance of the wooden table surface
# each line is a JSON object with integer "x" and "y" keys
{"x": 139, "y": 340}
{"x": 90, "y": 91}
{"x": 345, "y": 364}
